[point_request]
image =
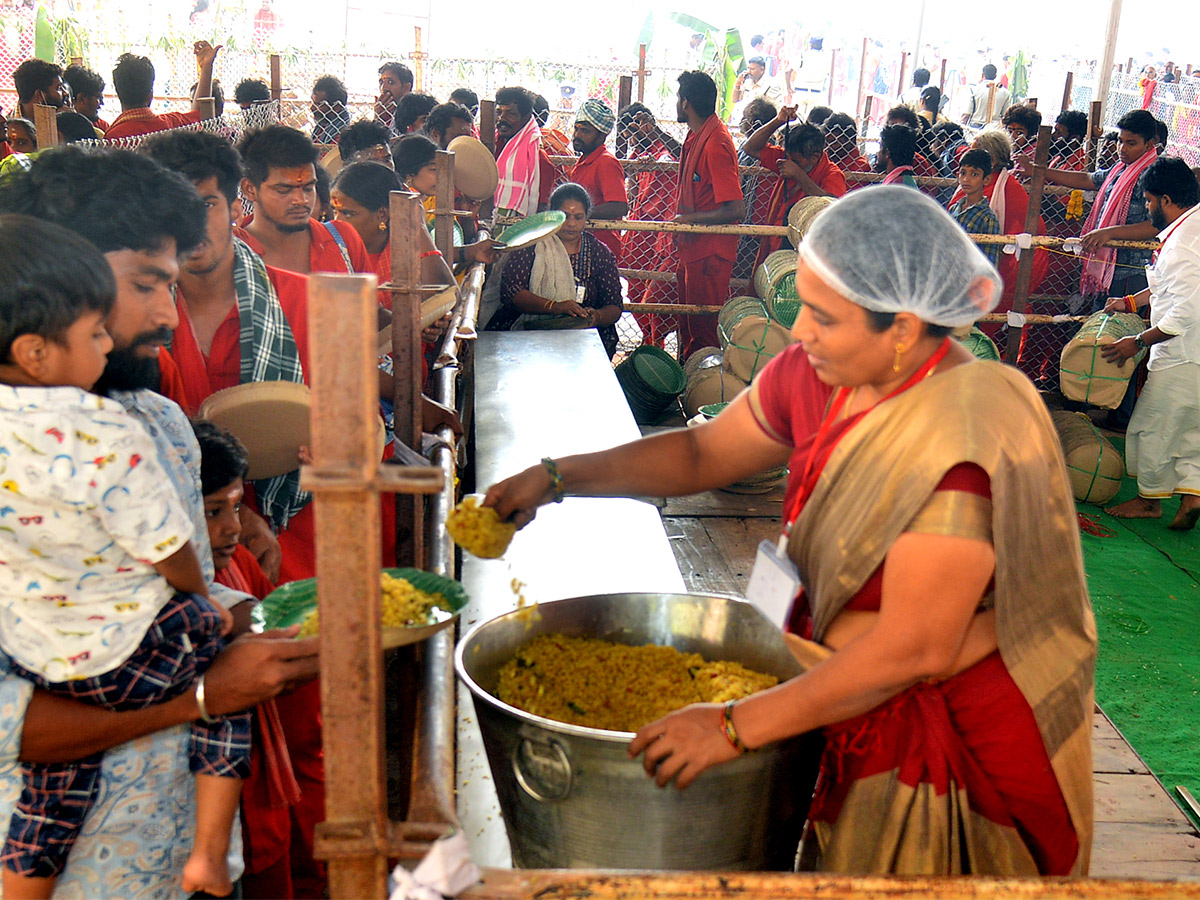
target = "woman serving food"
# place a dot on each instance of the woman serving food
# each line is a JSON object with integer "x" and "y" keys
{"x": 943, "y": 620}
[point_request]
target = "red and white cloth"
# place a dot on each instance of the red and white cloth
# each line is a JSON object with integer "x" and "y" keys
{"x": 1117, "y": 190}
{"x": 520, "y": 178}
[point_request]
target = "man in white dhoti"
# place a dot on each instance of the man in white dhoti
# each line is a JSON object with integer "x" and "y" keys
{"x": 1162, "y": 446}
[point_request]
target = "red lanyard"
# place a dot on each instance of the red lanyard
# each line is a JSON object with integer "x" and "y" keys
{"x": 808, "y": 481}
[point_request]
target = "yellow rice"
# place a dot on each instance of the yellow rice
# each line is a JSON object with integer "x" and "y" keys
{"x": 599, "y": 684}
{"x": 403, "y": 605}
{"x": 478, "y": 529}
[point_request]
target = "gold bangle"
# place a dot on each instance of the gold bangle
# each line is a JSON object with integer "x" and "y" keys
{"x": 549, "y": 306}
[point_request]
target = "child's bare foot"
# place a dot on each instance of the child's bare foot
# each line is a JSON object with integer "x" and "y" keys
{"x": 1137, "y": 508}
{"x": 208, "y": 874}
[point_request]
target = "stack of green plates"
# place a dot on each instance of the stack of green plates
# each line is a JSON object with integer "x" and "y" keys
{"x": 651, "y": 380}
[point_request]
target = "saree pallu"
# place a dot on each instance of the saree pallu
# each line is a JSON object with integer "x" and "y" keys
{"x": 879, "y": 476}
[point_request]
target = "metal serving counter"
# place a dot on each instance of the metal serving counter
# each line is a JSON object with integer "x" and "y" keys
{"x": 550, "y": 393}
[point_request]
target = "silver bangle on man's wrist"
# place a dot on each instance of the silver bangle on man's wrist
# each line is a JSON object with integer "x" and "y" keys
{"x": 204, "y": 716}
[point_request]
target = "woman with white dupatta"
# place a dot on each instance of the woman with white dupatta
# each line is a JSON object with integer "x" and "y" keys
{"x": 568, "y": 280}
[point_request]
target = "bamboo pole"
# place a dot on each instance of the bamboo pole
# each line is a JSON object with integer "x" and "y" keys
{"x": 344, "y": 412}
{"x": 641, "y": 74}
{"x": 276, "y": 77}
{"x": 1025, "y": 266}
{"x": 443, "y": 210}
{"x": 418, "y": 58}
{"x": 833, "y": 55}
{"x": 510, "y": 884}
{"x": 406, "y": 218}
{"x": 1095, "y": 132}
{"x": 45, "y": 120}
{"x": 624, "y": 92}
{"x": 1068, "y": 87}
{"x": 1104, "y": 71}
{"x": 862, "y": 76}
{"x": 487, "y": 124}
{"x": 942, "y": 78}
{"x": 903, "y": 72}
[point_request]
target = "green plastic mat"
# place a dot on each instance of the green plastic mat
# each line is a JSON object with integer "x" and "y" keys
{"x": 1145, "y": 587}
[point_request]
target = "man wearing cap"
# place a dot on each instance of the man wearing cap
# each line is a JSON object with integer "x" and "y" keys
{"x": 598, "y": 171}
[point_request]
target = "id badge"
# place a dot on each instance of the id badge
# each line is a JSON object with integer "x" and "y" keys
{"x": 774, "y": 583}
{"x": 580, "y": 293}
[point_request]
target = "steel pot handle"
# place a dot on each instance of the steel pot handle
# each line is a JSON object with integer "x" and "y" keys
{"x": 543, "y": 769}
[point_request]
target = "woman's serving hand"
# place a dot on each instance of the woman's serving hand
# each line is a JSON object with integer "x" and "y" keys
{"x": 683, "y": 744}
{"x": 518, "y": 498}
{"x": 571, "y": 308}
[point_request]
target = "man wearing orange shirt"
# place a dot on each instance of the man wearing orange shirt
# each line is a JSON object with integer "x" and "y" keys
{"x": 710, "y": 193}
{"x": 598, "y": 171}
{"x": 133, "y": 80}
{"x": 281, "y": 181}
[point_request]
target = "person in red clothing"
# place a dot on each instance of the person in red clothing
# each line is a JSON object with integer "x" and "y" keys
{"x": 652, "y": 200}
{"x": 598, "y": 171}
{"x": 133, "y": 80}
{"x": 710, "y": 193}
{"x": 271, "y": 795}
{"x": 841, "y": 144}
{"x": 216, "y": 283}
{"x": 281, "y": 181}
{"x": 87, "y": 94}
{"x": 804, "y": 165}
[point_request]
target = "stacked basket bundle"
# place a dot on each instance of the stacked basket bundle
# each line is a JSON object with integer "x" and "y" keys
{"x": 1094, "y": 465}
{"x": 708, "y": 381}
{"x": 1084, "y": 373}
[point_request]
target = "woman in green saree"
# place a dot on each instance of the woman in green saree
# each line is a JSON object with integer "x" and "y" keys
{"x": 943, "y": 620}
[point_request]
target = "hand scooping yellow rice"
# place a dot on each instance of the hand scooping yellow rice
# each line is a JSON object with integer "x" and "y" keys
{"x": 403, "y": 606}
{"x": 478, "y": 529}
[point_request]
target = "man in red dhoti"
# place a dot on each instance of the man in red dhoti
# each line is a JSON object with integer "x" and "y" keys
{"x": 710, "y": 193}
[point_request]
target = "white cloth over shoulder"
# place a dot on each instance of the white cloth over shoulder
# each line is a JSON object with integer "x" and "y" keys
{"x": 552, "y": 276}
{"x": 85, "y": 512}
{"x": 892, "y": 249}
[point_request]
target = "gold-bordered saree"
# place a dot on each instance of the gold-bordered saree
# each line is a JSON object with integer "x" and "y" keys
{"x": 880, "y": 476}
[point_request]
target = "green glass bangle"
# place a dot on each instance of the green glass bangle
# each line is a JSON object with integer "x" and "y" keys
{"x": 556, "y": 480}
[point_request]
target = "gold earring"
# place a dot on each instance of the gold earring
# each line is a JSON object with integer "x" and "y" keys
{"x": 383, "y": 226}
{"x": 899, "y": 353}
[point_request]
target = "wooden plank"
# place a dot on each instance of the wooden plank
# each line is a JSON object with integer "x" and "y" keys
{"x": 344, "y": 407}
{"x": 723, "y": 504}
{"x": 700, "y": 561}
{"x": 1136, "y": 798}
{"x": 1111, "y": 753}
{"x": 1136, "y": 850}
{"x": 737, "y": 541}
{"x": 609, "y": 885}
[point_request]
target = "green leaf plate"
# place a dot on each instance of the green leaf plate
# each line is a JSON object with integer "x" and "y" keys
{"x": 290, "y": 605}
{"x": 531, "y": 228}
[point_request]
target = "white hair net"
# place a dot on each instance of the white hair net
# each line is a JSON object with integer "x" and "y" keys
{"x": 892, "y": 249}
